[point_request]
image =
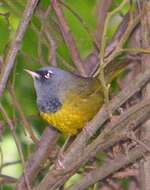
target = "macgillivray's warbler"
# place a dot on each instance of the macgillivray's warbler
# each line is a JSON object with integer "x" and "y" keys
{"x": 65, "y": 100}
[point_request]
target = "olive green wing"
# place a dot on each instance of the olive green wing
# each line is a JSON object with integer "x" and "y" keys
{"x": 87, "y": 97}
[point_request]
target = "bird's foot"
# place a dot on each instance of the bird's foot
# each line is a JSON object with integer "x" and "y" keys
{"x": 59, "y": 162}
{"x": 87, "y": 131}
{"x": 114, "y": 118}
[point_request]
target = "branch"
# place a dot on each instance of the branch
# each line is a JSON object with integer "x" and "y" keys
{"x": 81, "y": 21}
{"x": 4, "y": 179}
{"x": 52, "y": 48}
{"x": 118, "y": 49}
{"x": 117, "y": 131}
{"x": 91, "y": 62}
{"x": 16, "y": 44}
{"x": 103, "y": 41}
{"x": 110, "y": 167}
{"x": 17, "y": 142}
{"x": 136, "y": 50}
{"x": 102, "y": 12}
{"x": 115, "y": 48}
{"x": 68, "y": 38}
{"x": 36, "y": 161}
{"x": 6, "y": 164}
{"x": 118, "y": 35}
{"x": 23, "y": 118}
{"x": 145, "y": 59}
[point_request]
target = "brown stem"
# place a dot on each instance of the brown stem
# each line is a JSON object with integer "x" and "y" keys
{"x": 23, "y": 118}
{"x": 16, "y": 43}
{"x": 18, "y": 144}
{"x": 145, "y": 59}
{"x": 114, "y": 132}
{"x": 109, "y": 168}
{"x": 103, "y": 7}
{"x": 68, "y": 38}
{"x": 37, "y": 159}
{"x": 4, "y": 179}
{"x": 52, "y": 48}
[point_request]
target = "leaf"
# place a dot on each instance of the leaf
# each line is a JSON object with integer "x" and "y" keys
{"x": 4, "y": 34}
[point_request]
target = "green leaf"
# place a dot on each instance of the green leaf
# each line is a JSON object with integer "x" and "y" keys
{"x": 4, "y": 34}
{"x": 30, "y": 42}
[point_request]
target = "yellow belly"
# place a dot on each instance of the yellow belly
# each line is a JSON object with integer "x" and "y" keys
{"x": 72, "y": 116}
{"x": 64, "y": 121}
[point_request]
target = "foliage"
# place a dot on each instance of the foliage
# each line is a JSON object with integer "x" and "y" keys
{"x": 36, "y": 51}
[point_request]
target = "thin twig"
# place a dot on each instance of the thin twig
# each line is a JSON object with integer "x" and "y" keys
{"x": 9, "y": 164}
{"x": 16, "y": 44}
{"x": 102, "y": 52}
{"x": 117, "y": 35}
{"x": 109, "y": 168}
{"x": 145, "y": 60}
{"x": 136, "y": 50}
{"x": 16, "y": 141}
{"x": 109, "y": 16}
{"x": 37, "y": 159}
{"x": 53, "y": 47}
{"x": 102, "y": 11}
{"x": 68, "y": 38}
{"x": 23, "y": 118}
{"x": 92, "y": 61}
{"x": 82, "y": 22}
{"x": 114, "y": 132}
{"x": 132, "y": 136}
{"x": 4, "y": 179}
{"x": 118, "y": 49}
{"x": 126, "y": 173}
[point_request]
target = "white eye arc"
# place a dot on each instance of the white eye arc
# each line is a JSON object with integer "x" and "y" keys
{"x": 48, "y": 74}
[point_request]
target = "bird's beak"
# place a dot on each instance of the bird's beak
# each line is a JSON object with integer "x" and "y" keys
{"x": 33, "y": 74}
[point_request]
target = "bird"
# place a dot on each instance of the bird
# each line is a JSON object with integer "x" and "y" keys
{"x": 65, "y": 100}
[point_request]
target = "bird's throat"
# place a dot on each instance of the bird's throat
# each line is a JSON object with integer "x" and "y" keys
{"x": 49, "y": 105}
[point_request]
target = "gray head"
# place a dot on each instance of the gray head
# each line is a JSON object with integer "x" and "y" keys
{"x": 51, "y": 84}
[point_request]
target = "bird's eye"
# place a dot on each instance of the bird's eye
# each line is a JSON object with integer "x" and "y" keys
{"x": 48, "y": 74}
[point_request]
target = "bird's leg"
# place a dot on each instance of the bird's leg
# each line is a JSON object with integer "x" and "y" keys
{"x": 65, "y": 144}
{"x": 59, "y": 163}
{"x": 114, "y": 118}
{"x": 87, "y": 131}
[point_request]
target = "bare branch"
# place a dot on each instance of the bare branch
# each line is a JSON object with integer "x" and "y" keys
{"x": 82, "y": 22}
{"x": 110, "y": 167}
{"x": 15, "y": 46}
{"x": 7, "y": 179}
{"x": 53, "y": 47}
{"x": 68, "y": 38}
{"x": 145, "y": 59}
{"x": 23, "y": 118}
{"x": 36, "y": 161}
{"x": 18, "y": 145}
{"x": 102, "y": 116}
{"x": 102, "y": 11}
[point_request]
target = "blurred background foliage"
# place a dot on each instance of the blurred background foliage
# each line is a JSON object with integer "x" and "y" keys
{"x": 34, "y": 54}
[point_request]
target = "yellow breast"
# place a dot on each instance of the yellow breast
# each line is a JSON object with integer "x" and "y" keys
{"x": 74, "y": 113}
{"x": 65, "y": 120}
